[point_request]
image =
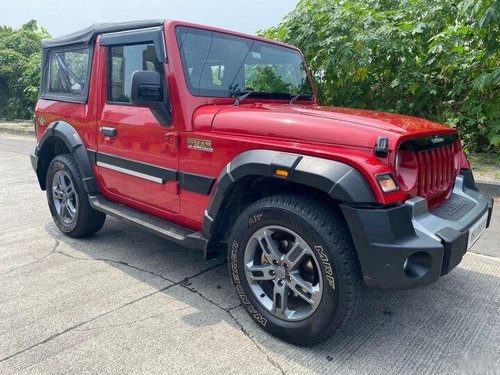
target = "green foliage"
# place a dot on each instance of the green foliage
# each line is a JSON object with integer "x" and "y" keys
{"x": 266, "y": 78}
{"x": 434, "y": 59}
{"x": 20, "y": 58}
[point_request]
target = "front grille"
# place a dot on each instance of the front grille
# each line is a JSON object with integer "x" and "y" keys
{"x": 436, "y": 170}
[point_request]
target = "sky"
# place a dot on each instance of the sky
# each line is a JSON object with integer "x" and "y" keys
{"x": 62, "y": 17}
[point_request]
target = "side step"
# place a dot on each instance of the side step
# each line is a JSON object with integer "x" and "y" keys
{"x": 166, "y": 229}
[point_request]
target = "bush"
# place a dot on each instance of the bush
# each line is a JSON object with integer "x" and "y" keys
{"x": 20, "y": 60}
{"x": 438, "y": 60}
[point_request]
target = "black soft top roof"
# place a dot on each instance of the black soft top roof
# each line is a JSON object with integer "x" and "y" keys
{"x": 88, "y": 34}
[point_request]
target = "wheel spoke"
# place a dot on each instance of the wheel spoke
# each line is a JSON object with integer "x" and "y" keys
{"x": 295, "y": 256}
{"x": 71, "y": 209}
{"x": 69, "y": 190}
{"x": 58, "y": 205}
{"x": 303, "y": 288}
{"x": 62, "y": 181}
{"x": 269, "y": 246}
{"x": 260, "y": 272}
{"x": 64, "y": 210}
{"x": 280, "y": 298}
{"x": 57, "y": 192}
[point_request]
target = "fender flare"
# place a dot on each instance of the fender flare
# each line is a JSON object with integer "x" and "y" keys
{"x": 74, "y": 143}
{"x": 339, "y": 180}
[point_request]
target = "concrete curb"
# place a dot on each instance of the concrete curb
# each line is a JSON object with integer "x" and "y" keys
{"x": 15, "y": 128}
{"x": 26, "y": 133}
{"x": 488, "y": 187}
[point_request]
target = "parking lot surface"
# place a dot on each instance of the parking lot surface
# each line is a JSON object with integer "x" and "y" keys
{"x": 126, "y": 301}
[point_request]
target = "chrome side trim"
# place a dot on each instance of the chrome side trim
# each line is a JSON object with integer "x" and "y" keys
{"x": 130, "y": 172}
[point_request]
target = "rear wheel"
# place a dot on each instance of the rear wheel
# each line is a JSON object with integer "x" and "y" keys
{"x": 68, "y": 201}
{"x": 293, "y": 265}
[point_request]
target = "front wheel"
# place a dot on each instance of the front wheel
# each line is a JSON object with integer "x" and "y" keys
{"x": 293, "y": 265}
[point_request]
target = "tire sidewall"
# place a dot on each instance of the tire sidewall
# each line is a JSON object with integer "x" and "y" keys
{"x": 330, "y": 308}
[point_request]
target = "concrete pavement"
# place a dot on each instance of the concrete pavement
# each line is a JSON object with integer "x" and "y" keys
{"x": 126, "y": 301}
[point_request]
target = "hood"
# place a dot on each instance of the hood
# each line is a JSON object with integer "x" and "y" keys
{"x": 325, "y": 125}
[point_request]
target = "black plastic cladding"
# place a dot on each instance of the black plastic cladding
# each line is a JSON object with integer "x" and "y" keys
{"x": 66, "y": 133}
{"x": 377, "y": 233}
{"x": 339, "y": 180}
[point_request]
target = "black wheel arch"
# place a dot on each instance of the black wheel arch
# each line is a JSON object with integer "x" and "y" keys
{"x": 331, "y": 179}
{"x": 59, "y": 138}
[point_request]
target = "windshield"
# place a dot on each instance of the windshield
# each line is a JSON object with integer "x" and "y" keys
{"x": 222, "y": 65}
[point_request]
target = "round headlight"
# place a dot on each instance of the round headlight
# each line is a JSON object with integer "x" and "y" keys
{"x": 406, "y": 169}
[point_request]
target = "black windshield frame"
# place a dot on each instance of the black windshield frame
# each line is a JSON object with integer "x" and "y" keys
{"x": 250, "y": 49}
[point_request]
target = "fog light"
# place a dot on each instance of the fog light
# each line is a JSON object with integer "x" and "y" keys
{"x": 418, "y": 265}
{"x": 387, "y": 183}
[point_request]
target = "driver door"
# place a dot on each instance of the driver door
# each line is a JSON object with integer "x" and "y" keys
{"x": 136, "y": 163}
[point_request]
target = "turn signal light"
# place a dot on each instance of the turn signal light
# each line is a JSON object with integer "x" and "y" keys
{"x": 281, "y": 172}
{"x": 387, "y": 183}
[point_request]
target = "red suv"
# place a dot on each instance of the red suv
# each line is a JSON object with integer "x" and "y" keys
{"x": 210, "y": 137}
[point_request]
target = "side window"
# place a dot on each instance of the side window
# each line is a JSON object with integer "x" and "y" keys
{"x": 125, "y": 60}
{"x": 68, "y": 72}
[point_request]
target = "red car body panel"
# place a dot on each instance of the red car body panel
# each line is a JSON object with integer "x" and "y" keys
{"x": 345, "y": 135}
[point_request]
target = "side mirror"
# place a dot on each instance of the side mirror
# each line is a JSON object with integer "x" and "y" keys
{"x": 146, "y": 89}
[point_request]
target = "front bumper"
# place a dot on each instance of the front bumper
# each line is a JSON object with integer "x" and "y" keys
{"x": 408, "y": 245}
{"x": 36, "y": 167}
{"x": 34, "y": 159}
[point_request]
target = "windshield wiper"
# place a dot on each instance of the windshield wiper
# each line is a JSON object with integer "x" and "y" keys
{"x": 242, "y": 97}
{"x": 297, "y": 97}
{"x": 267, "y": 95}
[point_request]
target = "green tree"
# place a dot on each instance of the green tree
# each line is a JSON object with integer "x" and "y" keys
{"x": 266, "y": 78}
{"x": 20, "y": 59}
{"x": 434, "y": 59}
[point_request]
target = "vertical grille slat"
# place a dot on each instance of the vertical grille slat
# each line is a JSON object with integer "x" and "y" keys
{"x": 436, "y": 170}
{"x": 441, "y": 169}
{"x": 449, "y": 171}
{"x": 428, "y": 165}
{"x": 433, "y": 171}
{"x": 420, "y": 178}
{"x": 452, "y": 164}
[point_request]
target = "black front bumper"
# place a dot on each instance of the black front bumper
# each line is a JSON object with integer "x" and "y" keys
{"x": 407, "y": 245}
{"x": 34, "y": 159}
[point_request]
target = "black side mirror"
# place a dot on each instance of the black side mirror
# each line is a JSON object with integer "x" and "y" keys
{"x": 147, "y": 91}
{"x": 146, "y": 88}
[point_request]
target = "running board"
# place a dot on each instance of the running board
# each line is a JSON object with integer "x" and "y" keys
{"x": 164, "y": 228}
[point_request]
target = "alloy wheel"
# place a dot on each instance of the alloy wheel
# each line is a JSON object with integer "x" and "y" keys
{"x": 65, "y": 197}
{"x": 283, "y": 273}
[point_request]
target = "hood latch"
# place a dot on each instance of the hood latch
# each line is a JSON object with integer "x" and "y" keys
{"x": 382, "y": 147}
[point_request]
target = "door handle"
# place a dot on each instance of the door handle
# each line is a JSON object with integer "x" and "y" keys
{"x": 172, "y": 139}
{"x": 108, "y": 131}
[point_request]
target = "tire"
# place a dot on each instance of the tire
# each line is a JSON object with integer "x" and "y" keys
{"x": 315, "y": 288}
{"x": 68, "y": 201}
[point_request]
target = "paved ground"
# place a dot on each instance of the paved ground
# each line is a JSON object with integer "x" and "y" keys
{"x": 127, "y": 301}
